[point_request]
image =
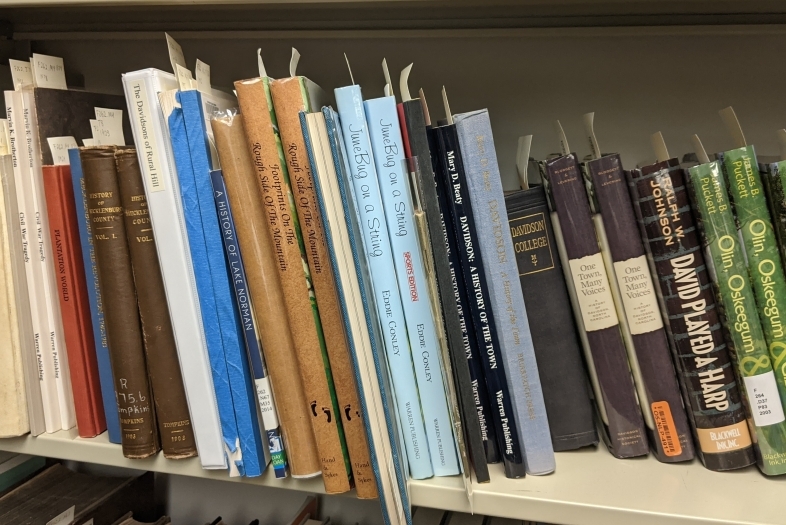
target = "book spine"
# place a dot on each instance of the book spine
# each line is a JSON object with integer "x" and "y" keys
{"x": 473, "y": 279}
{"x": 558, "y": 352}
{"x": 494, "y": 241}
{"x": 243, "y": 397}
{"x": 94, "y": 298}
{"x": 741, "y": 172}
{"x": 55, "y": 341}
{"x": 304, "y": 320}
{"x": 711, "y": 201}
{"x": 369, "y": 357}
{"x": 166, "y": 381}
{"x": 151, "y": 134}
{"x": 250, "y": 157}
{"x": 25, "y": 197}
{"x": 289, "y": 101}
{"x": 14, "y": 419}
{"x": 265, "y": 400}
{"x": 774, "y": 176}
{"x": 73, "y": 301}
{"x": 207, "y": 298}
{"x": 469, "y": 338}
{"x": 124, "y": 334}
{"x": 320, "y": 158}
{"x": 712, "y": 396}
{"x": 378, "y": 254}
{"x": 623, "y": 418}
{"x": 447, "y": 307}
{"x": 650, "y": 356}
{"x": 393, "y": 183}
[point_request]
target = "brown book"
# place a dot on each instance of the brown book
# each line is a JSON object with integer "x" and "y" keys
{"x": 267, "y": 297}
{"x": 163, "y": 366}
{"x": 287, "y": 93}
{"x": 115, "y": 276}
{"x": 278, "y": 194}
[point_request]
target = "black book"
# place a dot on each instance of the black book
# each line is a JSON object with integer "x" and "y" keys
{"x": 453, "y": 183}
{"x": 557, "y": 346}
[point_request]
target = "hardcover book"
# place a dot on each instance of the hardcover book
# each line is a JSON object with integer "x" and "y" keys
{"x": 377, "y": 255}
{"x": 166, "y": 381}
{"x": 701, "y": 355}
{"x": 115, "y": 275}
{"x": 74, "y": 306}
{"x": 98, "y": 324}
{"x": 248, "y": 173}
{"x": 151, "y": 133}
{"x": 557, "y": 346}
{"x": 650, "y": 357}
{"x": 620, "y": 414}
{"x": 472, "y": 278}
{"x": 495, "y": 243}
{"x": 774, "y": 176}
{"x": 393, "y": 180}
{"x": 730, "y": 274}
{"x": 416, "y": 146}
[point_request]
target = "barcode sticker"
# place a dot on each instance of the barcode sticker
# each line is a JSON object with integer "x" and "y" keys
{"x": 664, "y": 423}
{"x": 764, "y": 400}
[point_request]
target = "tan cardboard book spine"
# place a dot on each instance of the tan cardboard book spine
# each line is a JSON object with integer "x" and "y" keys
{"x": 115, "y": 276}
{"x": 287, "y": 92}
{"x": 267, "y": 296}
{"x": 304, "y": 319}
{"x": 169, "y": 395}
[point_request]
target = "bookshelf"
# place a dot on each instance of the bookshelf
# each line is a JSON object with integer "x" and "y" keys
{"x": 589, "y": 488}
{"x": 641, "y": 65}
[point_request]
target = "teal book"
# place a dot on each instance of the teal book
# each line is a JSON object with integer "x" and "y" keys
{"x": 504, "y": 286}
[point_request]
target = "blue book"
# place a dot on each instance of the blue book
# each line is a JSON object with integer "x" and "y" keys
{"x": 504, "y": 287}
{"x": 378, "y": 255}
{"x": 240, "y": 379}
{"x": 105, "y": 377}
{"x": 207, "y": 299}
{"x": 393, "y": 184}
{"x": 237, "y": 273}
{"x": 355, "y": 236}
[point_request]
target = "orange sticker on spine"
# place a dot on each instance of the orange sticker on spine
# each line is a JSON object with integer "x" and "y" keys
{"x": 664, "y": 423}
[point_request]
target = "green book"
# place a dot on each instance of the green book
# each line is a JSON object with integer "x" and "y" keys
{"x": 774, "y": 177}
{"x": 741, "y": 172}
{"x": 746, "y": 336}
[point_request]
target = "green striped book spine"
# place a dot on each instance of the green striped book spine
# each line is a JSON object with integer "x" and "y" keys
{"x": 716, "y": 219}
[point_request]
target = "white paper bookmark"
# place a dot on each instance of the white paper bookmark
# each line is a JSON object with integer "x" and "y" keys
{"x": 782, "y": 142}
{"x": 185, "y": 80}
{"x": 733, "y": 126}
{"x": 202, "y": 72}
{"x": 659, "y": 147}
{"x": 293, "y": 62}
{"x": 424, "y": 105}
{"x": 403, "y": 83}
{"x": 100, "y": 134}
{"x": 522, "y": 160}
{"x": 589, "y": 128}
{"x": 701, "y": 153}
{"x": 448, "y": 114}
{"x": 351, "y": 78}
{"x": 176, "y": 56}
{"x": 89, "y": 142}
{"x": 260, "y": 65}
{"x": 21, "y": 73}
{"x": 563, "y": 140}
{"x": 48, "y": 72}
{"x": 388, "y": 83}
{"x": 112, "y": 121}
{"x": 59, "y": 147}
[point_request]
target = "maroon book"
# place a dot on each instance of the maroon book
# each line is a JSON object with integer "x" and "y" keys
{"x": 74, "y": 305}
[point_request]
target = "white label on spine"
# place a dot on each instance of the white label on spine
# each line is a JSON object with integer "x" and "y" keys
{"x": 638, "y": 295}
{"x": 48, "y": 72}
{"x": 59, "y": 147}
{"x": 594, "y": 292}
{"x": 764, "y": 400}
{"x": 150, "y": 156}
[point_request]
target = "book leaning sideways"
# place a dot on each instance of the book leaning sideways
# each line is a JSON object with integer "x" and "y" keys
{"x": 151, "y": 134}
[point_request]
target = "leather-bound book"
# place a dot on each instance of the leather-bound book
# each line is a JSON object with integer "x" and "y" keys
{"x": 619, "y": 409}
{"x": 557, "y": 346}
{"x": 74, "y": 305}
{"x": 637, "y": 303}
{"x": 115, "y": 276}
{"x": 163, "y": 367}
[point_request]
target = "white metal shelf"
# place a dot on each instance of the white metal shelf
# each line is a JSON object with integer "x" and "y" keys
{"x": 590, "y": 487}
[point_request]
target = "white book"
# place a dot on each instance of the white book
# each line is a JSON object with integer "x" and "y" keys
{"x": 151, "y": 135}
{"x": 25, "y": 198}
{"x": 65, "y": 396}
{"x": 13, "y": 410}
